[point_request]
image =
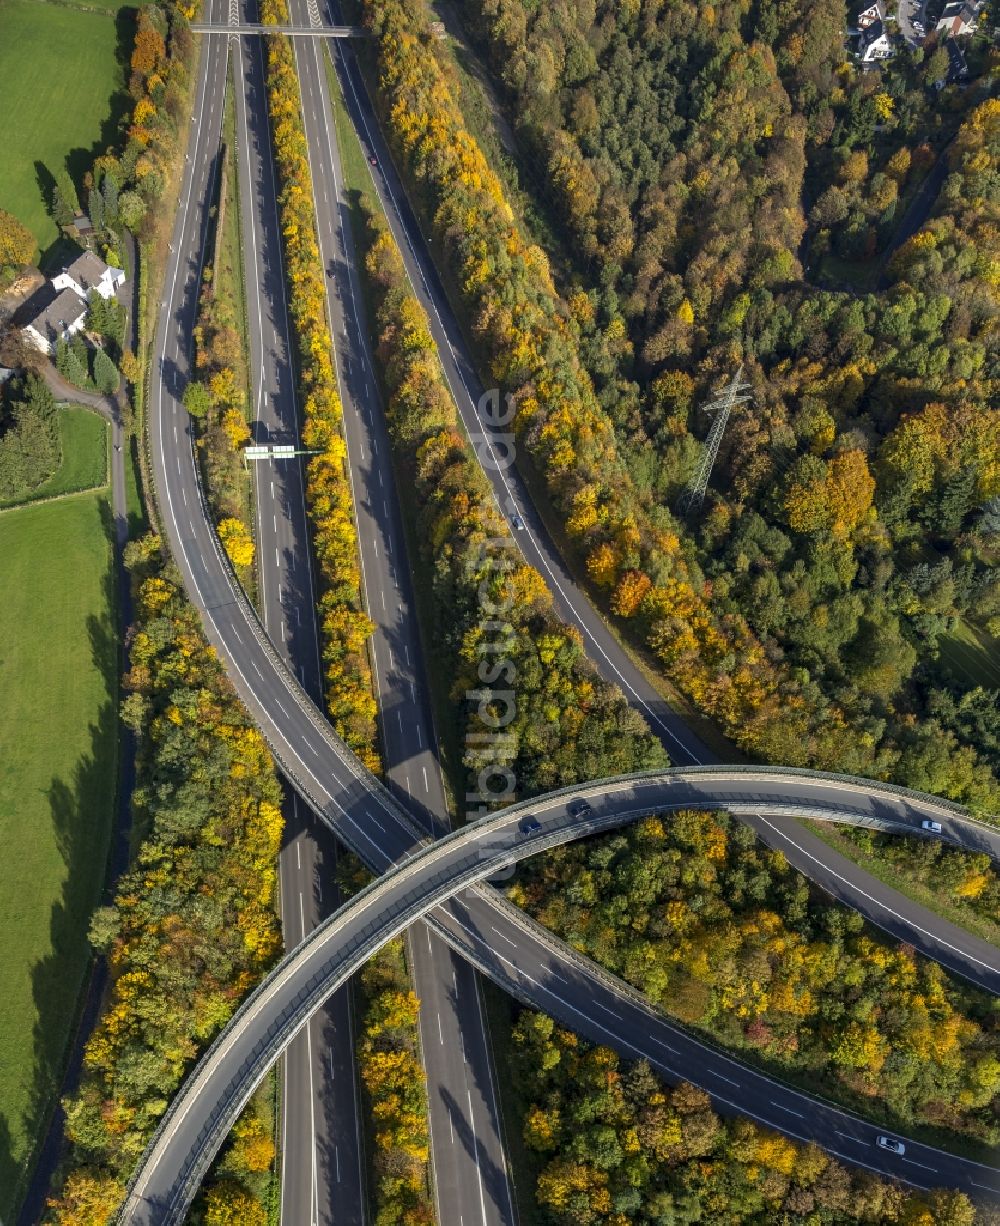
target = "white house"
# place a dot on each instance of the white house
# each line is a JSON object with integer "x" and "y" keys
{"x": 64, "y": 316}
{"x": 89, "y": 272}
{"x": 959, "y": 18}
{"x": 870, "y": 15}
{"x": 874, "y": 44}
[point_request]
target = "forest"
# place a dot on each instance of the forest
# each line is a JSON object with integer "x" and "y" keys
{"x": 193, "y": 925}
{"x": 722, "y": 933}
{"x": 852, "y": 517}
{"x": 613, "y": 1144}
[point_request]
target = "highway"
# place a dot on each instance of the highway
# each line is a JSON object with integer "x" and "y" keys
{"x": 462, "y": 1092}
{"x": 949, "y": 944}
{"x": 322, "y": 1174}
{"x": 365, "y": 815}
{"x": 202, "y": 1113}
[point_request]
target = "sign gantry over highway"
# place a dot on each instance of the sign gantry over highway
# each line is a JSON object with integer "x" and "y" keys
{"x": 320, "y": 31}
{"x": 273, "y": 451}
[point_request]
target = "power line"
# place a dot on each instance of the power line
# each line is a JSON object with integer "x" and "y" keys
{"x": 738, "y": 392}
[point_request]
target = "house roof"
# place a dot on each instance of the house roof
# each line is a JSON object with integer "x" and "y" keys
{"x": 957, "y": 67}
{"x": 961, "y": 9}
{"x": 86, "y": 270}
{"x": 872, "y": 33}
{"x": 65, "y": 309}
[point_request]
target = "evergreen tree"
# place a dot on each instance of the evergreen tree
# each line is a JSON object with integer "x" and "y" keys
{"x": 65, "y": 202}
{"x": 69, "y": 363}
{"x": 109, "y": 190}
{"x": 95, "y": 203}
{"x": 105, "y": 373}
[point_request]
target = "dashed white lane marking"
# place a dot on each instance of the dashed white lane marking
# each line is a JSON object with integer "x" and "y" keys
{"x": 609, "y": 1010}
{"x": 426, "y": 786}
{"x": 782, "y": 1107}
{"x": 503, "y": 936}
{"x": 665, "y": 1046}
{"x": 440, "y": 1031}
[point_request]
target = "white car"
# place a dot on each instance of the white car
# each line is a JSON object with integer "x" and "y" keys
{"x": 891, "y": 1144}
{"x": 933, "y": 827}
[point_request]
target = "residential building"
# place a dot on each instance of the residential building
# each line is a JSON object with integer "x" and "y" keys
{"x": 958, "y": 18}
{"x": 62, "y": 318}
{"x": 874, "y": 44}
{"x": 89, "y": 272}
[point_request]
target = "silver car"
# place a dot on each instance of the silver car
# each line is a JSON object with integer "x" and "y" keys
{"x": 892, "y": 1145}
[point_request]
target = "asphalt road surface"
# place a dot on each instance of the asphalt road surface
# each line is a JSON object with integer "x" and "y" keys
{"x": 322, "y": 1173}
{"x": 321, "y": 1156}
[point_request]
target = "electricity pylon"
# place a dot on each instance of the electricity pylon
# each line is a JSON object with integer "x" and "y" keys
{"x": 737, "y": 392}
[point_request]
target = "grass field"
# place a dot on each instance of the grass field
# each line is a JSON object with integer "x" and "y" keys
{"x": 85, "y": 454}
{"x": 973, "y": 655}
{"x": 57, "y": 785}
{"x": 61, "y": 96}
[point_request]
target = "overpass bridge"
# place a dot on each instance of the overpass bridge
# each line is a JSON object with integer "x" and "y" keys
{"x": 430, "y": 873}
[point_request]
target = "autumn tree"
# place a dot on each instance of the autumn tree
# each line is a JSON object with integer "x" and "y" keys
{"x": 17, "y": 246}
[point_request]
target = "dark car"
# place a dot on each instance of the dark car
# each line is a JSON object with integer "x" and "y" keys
{"x": 529, "y": 824}
{"x": 373, "y": 159}
{"x": 580, "y": 808}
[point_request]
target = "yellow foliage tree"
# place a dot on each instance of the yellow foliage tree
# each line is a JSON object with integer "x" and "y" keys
{"x": 237, "y": 541}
